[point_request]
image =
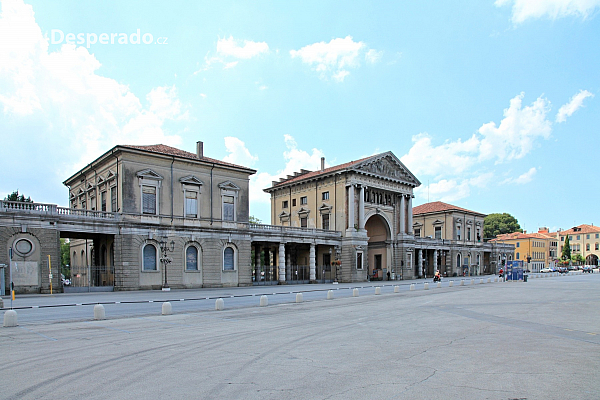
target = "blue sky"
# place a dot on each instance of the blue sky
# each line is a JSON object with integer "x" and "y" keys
{"x": 492, "y": 105}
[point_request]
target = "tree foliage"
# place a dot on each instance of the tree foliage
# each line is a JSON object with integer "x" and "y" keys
{"x": 65, "y": 257}
{"x": 254, "y": 220}
{"x": 566, "y": 251}
{"x": 15, "y": 196}
{"x": 497, "y": 224}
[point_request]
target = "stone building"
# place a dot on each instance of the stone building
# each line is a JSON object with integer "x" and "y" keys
{"x": 369, "y": 201}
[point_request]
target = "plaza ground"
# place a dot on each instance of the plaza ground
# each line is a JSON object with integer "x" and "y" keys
{"x": 534, "y": 340}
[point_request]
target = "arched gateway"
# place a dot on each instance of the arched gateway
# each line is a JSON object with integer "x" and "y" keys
{"x": 379, "y": 247}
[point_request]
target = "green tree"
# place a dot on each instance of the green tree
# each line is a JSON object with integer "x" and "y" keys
{"x": 15, "y": 196}
{"x": 578, "y": 258}
{"x": 65, "y": 258}
{"x": 254, "y": 220}
{"x": 566, "y": 251}
{"x": 497, "y": 224}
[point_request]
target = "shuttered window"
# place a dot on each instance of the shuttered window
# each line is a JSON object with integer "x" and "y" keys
{"x": 191, "y": 204}
{"x": 228, "y": 261}
{"x": 148, "y": 200}
{"x": 149, "y": 262}
{"x": 228, "y": 208}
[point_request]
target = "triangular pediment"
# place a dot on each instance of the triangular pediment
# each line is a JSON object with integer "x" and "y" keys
{"x": 284, "y": 214}
{"x": 438, "y": 222}
{"x": 387, "y": 165}
{"x": 110, "y": 175}
{"x": 100, "y": 180}
{"x": 303, "y": 211}
{"x": 148, "y": 174}
{"x": 90, "y": 187}
{"x": 191, "y": 180}
{"x": 324, "y": 209}
{"x": 228, "y": 185}
{"x": 80, "y": 192}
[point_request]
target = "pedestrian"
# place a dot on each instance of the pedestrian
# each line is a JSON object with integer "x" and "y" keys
{"x": 389, "y": 275}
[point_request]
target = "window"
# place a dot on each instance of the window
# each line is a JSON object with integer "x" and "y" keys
{"x": 577, "y": 237}
{"x": 148, "y": 200}
{"x": 587, "y": 236}
{"x": 359, "y": 260}
{"x": 587, "y": 247}
{"x": 325, "y": 195}
{"x": 518, "y": 256}
{"x": 149, "y": 261}
{"x": 304, "y": 222}
{"x": 469, "y": 234}
{"x": 518, "y": 244}
{"x": 597, "y": 248}
{"x": 103, "y": 201}
{"x": 23, "y": 247}
{"x": 228, "y": 208}
{"x": 293, "y": 202}
{"x": 438, "y": 232}
{"x": 191, "y": 259}
{"x": 326, "y": 221}
{"x": 562, "y": 239}
{"x": 228, "y": 259}
{"x": 303, "y": 200}
{"x": 597, "y": 235}
{"x": 417, "y": 232}
{"x": 191, "y": 204}
{"x": 113, "y": 199}
{"x": 284, "y": 204}
{"x": 458, "y": 233}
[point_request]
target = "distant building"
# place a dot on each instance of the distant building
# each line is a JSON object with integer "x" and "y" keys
{"x": 531, "y": 248}
{"x": 584, "y": 240}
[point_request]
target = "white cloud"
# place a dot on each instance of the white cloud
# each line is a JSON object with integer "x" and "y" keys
{"x": 295, "y": 160}
{"x": 522, "y": 179}
{"x": 238, "y": 153}
{"x": 449, "y": 190}
{"x": 552, "y": 9}
{"x": 518, "y": 131}
{"x": 61, "y": 107}
{"x": 573, "y": 105}
{"x": 231, "y": 47}
{"x": 335, "y": 58}
{"x": 230, "y": 51}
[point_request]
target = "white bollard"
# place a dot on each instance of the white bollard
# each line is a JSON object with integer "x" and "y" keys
{"x": 99, "y": 311}
{"x": 480, "y": 281}
{"x": 264, "y": 301}
{"x": 489, "y": 280}
{"x": 496, "y": 279}
{"x": 412, "y": 286}
{"x": 472, "y": 281}
{"x": 426, "y": 286}
{"x": 377, "y": 290}
{"x": 451, "y": 283}
{"x": 462, "y": 282}
{"x": 355, "y": 292}
{"x": 166, "y": 308}
{"x": 329, "y": 294}
{"x": 1, "y": 303}
{"x": 298, "y": 297}
{"x": 10, "y": 318}
{"x": 439, "y": 284}
{"x": 219, "y": 305}
{"x": 396, "y": 289}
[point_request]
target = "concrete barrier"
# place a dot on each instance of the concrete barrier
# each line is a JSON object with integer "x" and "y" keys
{"x": 167, "y": 309}
{"x": 264, "y": 301}
{"x": 451, "y": 283}
{"x": 10, "y": 318}
{"x": 412, "y": 286}
{"x": 396, "y": 289}
{"x": 439, "y": 284}
{"x": 298, "y": 297}
{"x": 219, "y": 305}
{"x": 377, "y": 290}
{"x": 99, "y": 312}
{"x": 355, "y": 292}
{"x": 329, "y": 294}
{"x": 426, "y": 286}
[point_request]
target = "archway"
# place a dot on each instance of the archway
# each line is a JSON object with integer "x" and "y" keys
{"x": 379, "y": 252}
{"x": 591, "y": 259}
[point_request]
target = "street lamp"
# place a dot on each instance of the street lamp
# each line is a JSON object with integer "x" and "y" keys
{"x": 164, "y": 249}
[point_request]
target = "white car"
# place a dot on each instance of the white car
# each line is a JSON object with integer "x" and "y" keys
{"x": 547, "y": 269}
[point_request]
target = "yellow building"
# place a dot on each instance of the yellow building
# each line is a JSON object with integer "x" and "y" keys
{"x": 531, "y": 248}
{"x": 584, "y": 240}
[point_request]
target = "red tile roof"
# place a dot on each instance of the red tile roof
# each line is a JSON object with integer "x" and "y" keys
{"x": 581, "y": 229}
{"x": 172, "y": 151}
{"x": 521, "y": 236}
{"x": 438, "y": 206}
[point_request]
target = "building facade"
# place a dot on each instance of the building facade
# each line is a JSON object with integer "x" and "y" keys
{"x": 584, "y": 240}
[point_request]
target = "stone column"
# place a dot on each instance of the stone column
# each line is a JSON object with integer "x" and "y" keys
{"x": 402, "y": 229}
{"x": 312, "y": 263}
{"x": 351, "y": 206}
{"x": 420, "y": 271}
{"x": 435, "y": 256}
{"x": 257, "y": 263}
{"x": 288, "y": 267}
{"x": 281, "y": 263}
{"x": 361, "y": 208}
{"x": 410, "y": 215}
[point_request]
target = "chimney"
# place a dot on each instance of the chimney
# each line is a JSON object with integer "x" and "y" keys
{"x": 200, "y": 149}
{"x": 322, "y": 163}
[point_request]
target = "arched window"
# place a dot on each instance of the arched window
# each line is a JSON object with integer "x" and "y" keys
{"x": 458, "y": 260}
{"x": 74, "y": 259}
{"x": 191, "y": 259}
{"x": 149, "y": 261}
{"x": 84, "y": 261}
{"x": 228, "y": 259}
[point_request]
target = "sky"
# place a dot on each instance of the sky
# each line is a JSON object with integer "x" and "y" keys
{"x": 492, "y": 104}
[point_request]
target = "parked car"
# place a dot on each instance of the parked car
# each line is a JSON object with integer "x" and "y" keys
{"x": 563, "y": 270}
{"x": 545, "y": 270}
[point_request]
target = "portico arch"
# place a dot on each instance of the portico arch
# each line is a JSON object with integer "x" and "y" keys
{"x": 591, "y": 259}
{"x": 379, "y": 250}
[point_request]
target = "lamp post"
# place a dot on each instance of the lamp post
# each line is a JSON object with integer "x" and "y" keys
{"x": 164, "y": 249}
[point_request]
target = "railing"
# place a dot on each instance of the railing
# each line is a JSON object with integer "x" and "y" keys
{"x": 292, "y": 229}
{"x": 53, "y": 209}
